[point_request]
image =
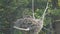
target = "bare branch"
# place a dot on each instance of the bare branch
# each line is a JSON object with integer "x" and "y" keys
{"x": 45, "y": 11}
{"x": 27, "y": 29}
{"x": 33, "y": 8}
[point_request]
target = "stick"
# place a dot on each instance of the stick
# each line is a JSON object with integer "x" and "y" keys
{"x": 27, "y": 29}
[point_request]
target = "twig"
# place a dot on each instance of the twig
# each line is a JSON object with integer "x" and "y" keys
{"x": 27, "y": 29}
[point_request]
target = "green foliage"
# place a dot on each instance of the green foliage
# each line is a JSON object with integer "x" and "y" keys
{"x": 17, "y": 32}
{"x": 38, "y": 13}
{"x": 55, "y": 12}
{"x": 9, "y": 13}
{"x": 10, "y": 10}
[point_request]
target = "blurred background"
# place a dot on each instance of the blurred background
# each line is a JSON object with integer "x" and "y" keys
{"x": 11, "y": 10}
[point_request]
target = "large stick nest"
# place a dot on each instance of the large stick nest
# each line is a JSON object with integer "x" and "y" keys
{"x": 28, "y": 22}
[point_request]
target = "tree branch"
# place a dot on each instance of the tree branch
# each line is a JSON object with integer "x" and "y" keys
{"x": 27, "y": 29}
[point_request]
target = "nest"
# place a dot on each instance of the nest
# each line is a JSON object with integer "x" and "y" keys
{"x": 28, "y": 22}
